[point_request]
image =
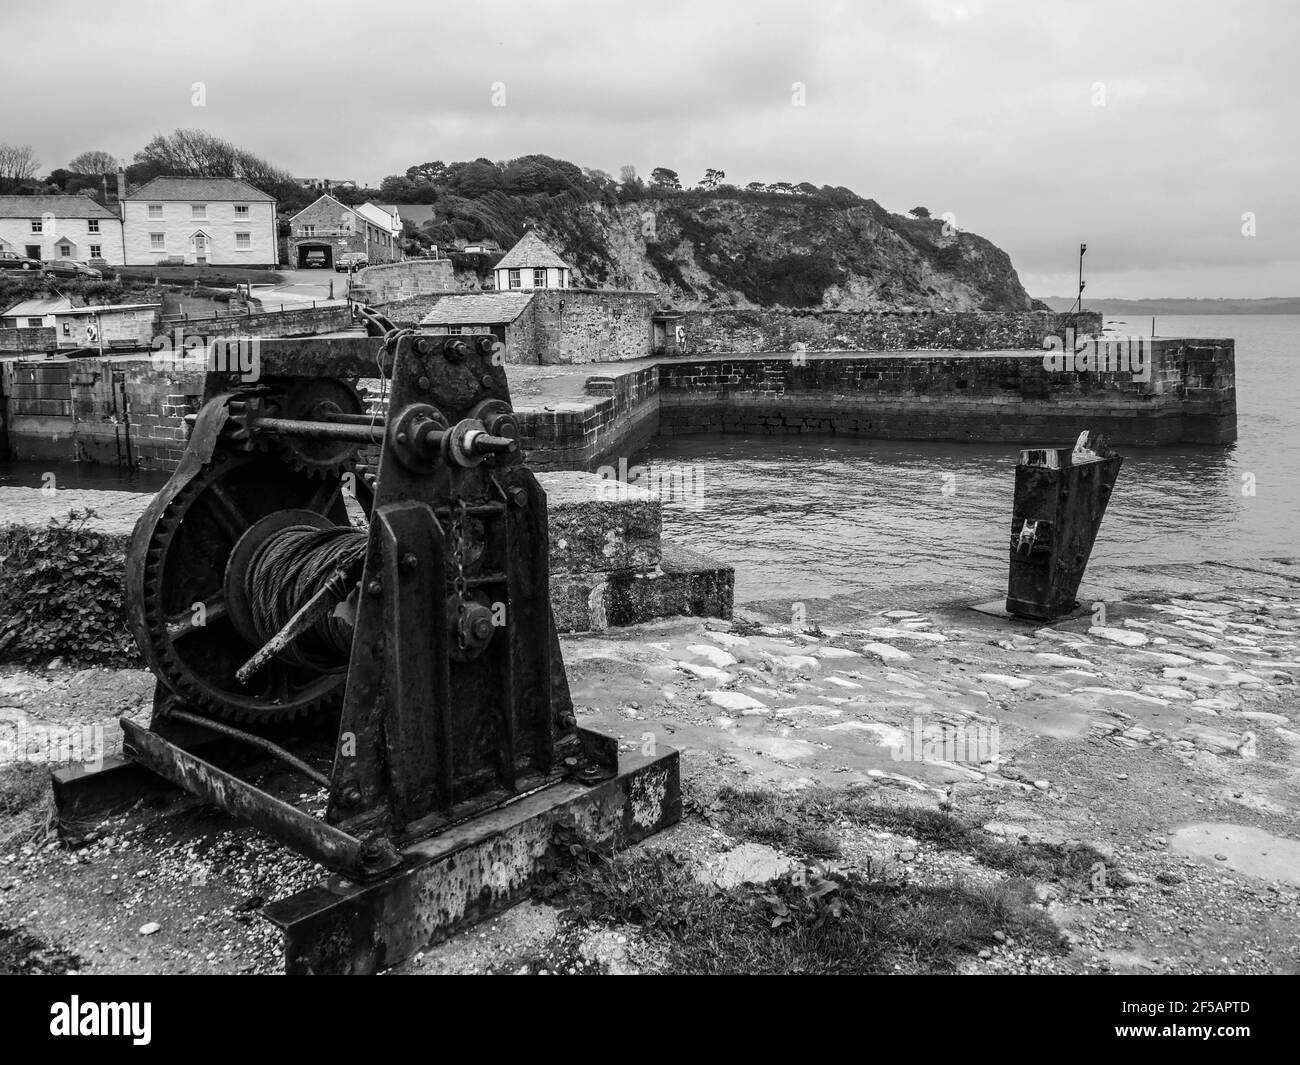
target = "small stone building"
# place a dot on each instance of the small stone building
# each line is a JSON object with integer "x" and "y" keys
{"x": 500, "y": 313}
{"x": 328, "y": 228}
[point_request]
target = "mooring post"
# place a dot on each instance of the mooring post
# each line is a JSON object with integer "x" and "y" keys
{"x": 1060, "y": 499}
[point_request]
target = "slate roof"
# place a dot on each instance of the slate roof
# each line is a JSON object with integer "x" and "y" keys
{"x": 42, "y": 307}
{"x": 530, "y": 252}
{"x": 102, "y": 308}
{"x": 489, "y": 308}
{"x": 379, "y": 216}
{"x": 59, "y": 206}
{"x": 199, "y": 188}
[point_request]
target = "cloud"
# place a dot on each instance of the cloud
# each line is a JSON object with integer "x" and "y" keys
{"x": 989, "y": 110}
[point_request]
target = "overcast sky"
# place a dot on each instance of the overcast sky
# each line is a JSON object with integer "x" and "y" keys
{"x": 1147, "y": 129}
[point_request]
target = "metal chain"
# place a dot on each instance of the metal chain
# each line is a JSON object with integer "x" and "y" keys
{"x": 460, "y": 512}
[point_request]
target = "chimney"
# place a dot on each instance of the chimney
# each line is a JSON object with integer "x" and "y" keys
{"x": 121, "y": 184}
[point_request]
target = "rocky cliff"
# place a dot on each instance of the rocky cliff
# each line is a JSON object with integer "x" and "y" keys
{"x": 782, "y": 251}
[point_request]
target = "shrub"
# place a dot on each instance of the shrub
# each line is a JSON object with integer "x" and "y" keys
{"x": 61, "y": 594}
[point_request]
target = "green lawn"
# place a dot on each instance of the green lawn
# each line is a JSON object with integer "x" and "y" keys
{"x": 208, "y": 276}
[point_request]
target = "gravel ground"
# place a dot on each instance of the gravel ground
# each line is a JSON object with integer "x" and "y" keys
{"x": 1168, "y": 738}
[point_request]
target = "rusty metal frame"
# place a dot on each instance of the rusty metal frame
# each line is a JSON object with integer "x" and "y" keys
{"x": 457, "y": 769}
{"x": 470, "y": 871}
{"x": 332, "y": 847}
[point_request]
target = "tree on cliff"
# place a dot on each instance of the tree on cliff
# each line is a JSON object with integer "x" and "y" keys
{"x": 712, "y": 179}
{"x": 540, "y": 173}
{"x": 399, "y": 189}
{"x": 198, "y": 153}
{"x": 665, "y": 178}
{"x": 95, "y": 162}
{"x": 919, "y": 212}
{"x": 429, "y": 173}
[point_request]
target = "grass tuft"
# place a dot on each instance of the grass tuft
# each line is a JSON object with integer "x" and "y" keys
{"x": 794, "y": 822}
{"x": 811, "y": 920}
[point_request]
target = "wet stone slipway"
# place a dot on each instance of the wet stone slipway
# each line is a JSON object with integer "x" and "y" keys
{"x": 1168, "y": 738}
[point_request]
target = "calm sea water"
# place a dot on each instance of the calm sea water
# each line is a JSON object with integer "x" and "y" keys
{"x": 816, "y": 517}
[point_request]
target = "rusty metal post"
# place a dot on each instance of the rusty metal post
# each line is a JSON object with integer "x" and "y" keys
{"x": 1060, "y": 499}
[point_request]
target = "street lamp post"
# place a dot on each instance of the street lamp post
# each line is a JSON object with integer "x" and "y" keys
{"x": 1079, "y": 300}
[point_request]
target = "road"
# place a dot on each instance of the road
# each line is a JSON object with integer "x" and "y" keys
{"x": 301, "y": 286}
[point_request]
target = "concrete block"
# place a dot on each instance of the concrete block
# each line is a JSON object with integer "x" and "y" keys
{"x": 685, "y": 583}
{"x": 600, "y": 525}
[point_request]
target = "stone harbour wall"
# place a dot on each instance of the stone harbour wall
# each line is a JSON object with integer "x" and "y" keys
{"x": 387, "y": 282}
{"x": 1190, "y": 397}
{"x": 28, "y": 339}
{"x": 619, "y": 414}
{"x": 116, "y": 410}
{"x": 709, "y": 332}
{"x": 592, "y": 325}
{"x": 130, "y": 410}
{"x": 291, "y": 322}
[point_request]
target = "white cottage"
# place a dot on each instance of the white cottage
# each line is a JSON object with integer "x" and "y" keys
{"x": 199, "y": 221}
{"x": 530, "y": 264}
{"x": 60, "y": 227}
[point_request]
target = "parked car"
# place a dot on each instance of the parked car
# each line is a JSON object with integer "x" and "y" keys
{"x": 349, "y": 261}
{"x": 314, "y": 259}
{"x": 71, "y": 269}
{"x": 12, "y": 261}
{"x": 105, "y": 269}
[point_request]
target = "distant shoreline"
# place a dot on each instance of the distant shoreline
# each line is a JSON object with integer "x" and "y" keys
{"x": 1271, "y": 305}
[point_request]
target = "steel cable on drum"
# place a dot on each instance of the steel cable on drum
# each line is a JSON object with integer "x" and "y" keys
{"x": 287, "y": 571}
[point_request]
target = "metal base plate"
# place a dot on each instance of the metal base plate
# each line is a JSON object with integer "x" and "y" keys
{"x": 997, "y": 608}
{"x": 443, "y": 883}
{"x": 471, "y": 871}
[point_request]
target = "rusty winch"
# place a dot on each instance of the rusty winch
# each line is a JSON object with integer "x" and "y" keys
{"x": 359, "y": 594}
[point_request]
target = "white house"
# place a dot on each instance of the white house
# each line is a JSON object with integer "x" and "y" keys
{"x": 199, "y": 221}
{"x": 531, "y": 264}
{"x": 388, "y": 228}
{"x": 60, "y": 227}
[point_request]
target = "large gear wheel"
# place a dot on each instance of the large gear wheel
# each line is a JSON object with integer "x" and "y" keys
{"x": 309, "y": 399}
{"x": 175, "y": 587}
